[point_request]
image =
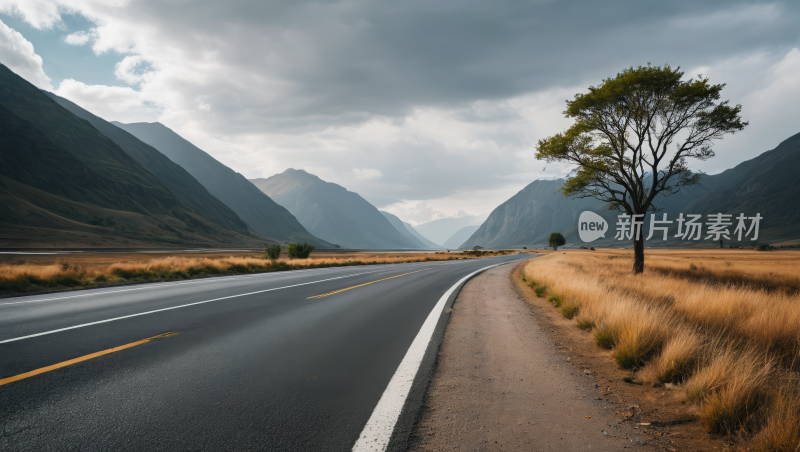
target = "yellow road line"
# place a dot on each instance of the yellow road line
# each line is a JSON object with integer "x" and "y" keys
{"x": 365, "y": 284}
{"x": 82, "y": 358}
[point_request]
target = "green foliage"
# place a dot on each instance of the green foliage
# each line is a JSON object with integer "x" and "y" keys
{"x": 556, "y": 300}
{"x": 297, "y": 251}
{"x": 540, "y": 291}
{"x": 556, "y": 240}
{"x": 633, "y": 135}
{"x": 273, "y": 252}
{"x": 569, "y": 311}
{"x": 585, "y": 323}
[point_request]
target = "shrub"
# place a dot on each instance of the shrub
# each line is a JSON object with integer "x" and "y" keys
{"x": 569, "y": 311}
{"x": 540, "y": 291}
{"x": 556, "y": 300}
{"x": 273, "y": 252}
{"x": 297, "y": 251}
{"x": 100, "y": 278}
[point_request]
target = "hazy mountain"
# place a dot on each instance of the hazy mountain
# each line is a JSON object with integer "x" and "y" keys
{"x": 420, "y": 237}
{"x": 461, "y": 236}
{"x": 261, "y": 213}
{"x": 65, "y": 183}
{"x": 439, "y": 231}
{"x": 171, "y": 174}
{"x": 331, "y": 212}
{"x": 401, "y": 227}
{"x": 767, "y": 184}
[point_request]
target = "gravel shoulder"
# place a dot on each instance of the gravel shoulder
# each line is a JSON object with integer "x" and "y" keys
{"x": 501, "y": 383}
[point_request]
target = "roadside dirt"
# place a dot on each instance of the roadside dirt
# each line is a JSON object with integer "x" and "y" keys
{"x": 512, "y": 374}
{"x": 501, "y": 384}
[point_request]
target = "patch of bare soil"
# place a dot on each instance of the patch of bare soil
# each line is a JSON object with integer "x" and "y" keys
{"x": 507, "y": 379}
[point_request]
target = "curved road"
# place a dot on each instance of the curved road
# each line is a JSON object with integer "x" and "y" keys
{"x": 278, "y": 361}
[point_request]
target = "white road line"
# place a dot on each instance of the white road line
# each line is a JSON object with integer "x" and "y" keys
{"x": 379, "y": 428}
{"x": 164, "y": 285}
{"x": 169, "y": 309}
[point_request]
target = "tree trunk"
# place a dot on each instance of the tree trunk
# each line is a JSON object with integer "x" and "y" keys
{"x": 638, "y": 253}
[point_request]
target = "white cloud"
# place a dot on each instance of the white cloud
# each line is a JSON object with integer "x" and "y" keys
{"x": 17, "y": 53}
{"x": 78, "y": 38}
{"x": 367, "y": 174}
{"x": 113, "y": 103}
{"x": 414, "y": 212}
{"x": 129, "y": 70}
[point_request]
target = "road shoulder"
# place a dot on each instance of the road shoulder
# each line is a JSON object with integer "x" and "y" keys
{"x": 501, "y": 383}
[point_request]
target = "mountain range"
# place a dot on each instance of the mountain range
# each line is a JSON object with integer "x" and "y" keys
{"x": 767, "y": 184}
{"x": 334, "y": 214}
{"x": 261, "y": 213}
{"x": 64, "y": 183}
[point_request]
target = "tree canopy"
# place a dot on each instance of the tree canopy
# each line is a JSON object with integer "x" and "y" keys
{"x": 634, "y": 134}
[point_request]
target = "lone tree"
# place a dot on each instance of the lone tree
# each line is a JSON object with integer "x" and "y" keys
{"x": 273, "y": 252}
{"x": 556, "y": 240}
{"x": 633, "y": 136}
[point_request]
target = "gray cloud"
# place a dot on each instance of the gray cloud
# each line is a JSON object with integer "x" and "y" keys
{"x": 434, "y": 100}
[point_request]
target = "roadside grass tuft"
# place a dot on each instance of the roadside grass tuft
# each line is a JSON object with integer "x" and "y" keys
{"x": 585, "y": 323}
{"x": 604, "y": 337}
{"x": 540, "y": 291}
{"x": 556, "y": 300}
{"x": 569, "y": 311}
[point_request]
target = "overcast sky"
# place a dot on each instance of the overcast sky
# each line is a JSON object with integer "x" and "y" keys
{"x": 425, "y": 108}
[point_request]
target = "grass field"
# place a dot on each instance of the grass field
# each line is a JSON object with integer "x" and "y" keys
{"x": 722, "y": 327}
{"x": 37, "y": 273}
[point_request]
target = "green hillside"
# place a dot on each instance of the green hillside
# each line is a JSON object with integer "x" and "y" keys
{"x": 60, "y": 177}
{"x": 171, "y": 174}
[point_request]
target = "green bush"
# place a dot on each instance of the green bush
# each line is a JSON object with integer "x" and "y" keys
{"x": 273, "y": 252}
{"x": 297, "y": 251}
{"x": 585, "y": 324}
{"x": 100, "y": 278}
{"x": 569, "y": 311}
{"x": 540, "y": 291}
{"x": 556, "y": 300}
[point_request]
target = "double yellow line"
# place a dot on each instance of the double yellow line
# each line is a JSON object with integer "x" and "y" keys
{"x": 365, "y": 284}
{"x": 32, "y": 373}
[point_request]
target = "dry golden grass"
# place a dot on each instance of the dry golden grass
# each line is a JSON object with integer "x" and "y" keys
{"x": 48, "y": 272}
{"x": 721, "y": 323}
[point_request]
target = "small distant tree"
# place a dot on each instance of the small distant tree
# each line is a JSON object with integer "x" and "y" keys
{"x": 297, "y": 251}
{"x": 556, "y": 240}
{"x": 633, "y": 136}
{"x": 273, "y": 252}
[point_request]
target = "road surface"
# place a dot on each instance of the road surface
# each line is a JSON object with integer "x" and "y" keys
{"x": 279, "y": 361}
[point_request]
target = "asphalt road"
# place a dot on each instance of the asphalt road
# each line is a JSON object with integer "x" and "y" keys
{"x": 277, "y": 361}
